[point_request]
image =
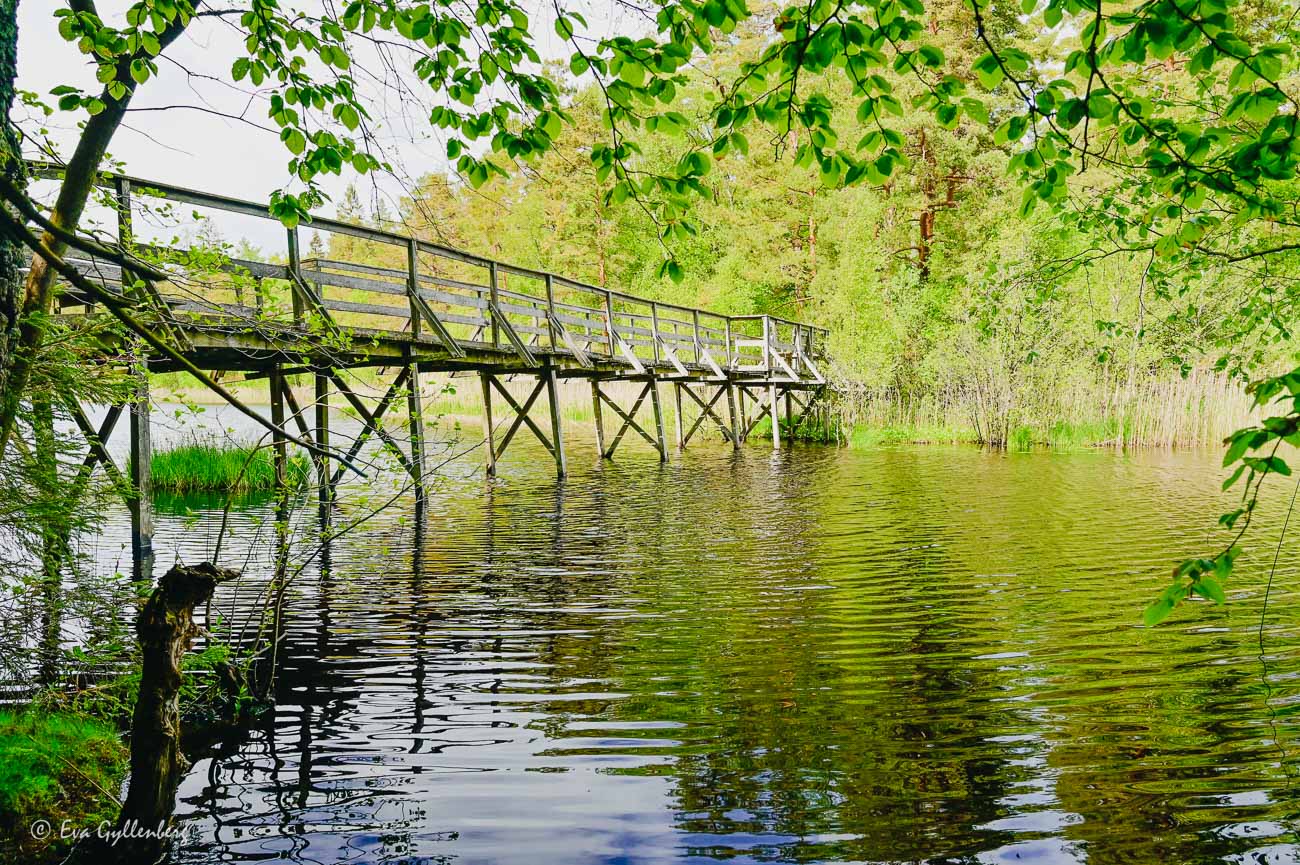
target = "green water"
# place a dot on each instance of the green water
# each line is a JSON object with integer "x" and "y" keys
{"x": 918, "y": 654}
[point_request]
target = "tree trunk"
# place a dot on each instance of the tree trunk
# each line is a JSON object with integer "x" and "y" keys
{"x": 165, "y": 629}
{"x": 78, "y": 184}
{"x": 11, "y": 164}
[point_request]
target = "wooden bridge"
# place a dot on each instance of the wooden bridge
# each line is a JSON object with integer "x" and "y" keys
{"x": 415, "y": 307}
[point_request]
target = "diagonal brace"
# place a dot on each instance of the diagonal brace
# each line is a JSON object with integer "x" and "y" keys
{"x": 375, "y": 418}
{"x": 98, "y": 454}
{"x": 629, "y": 421}
{"x": 521, "y": 415}
{"x": 372, "y": 422}
{"x": 706, "y": 412}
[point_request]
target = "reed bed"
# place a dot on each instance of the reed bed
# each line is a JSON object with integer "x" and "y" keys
{"x": 1172, "y": 411}
{"x": 221, "y": 467}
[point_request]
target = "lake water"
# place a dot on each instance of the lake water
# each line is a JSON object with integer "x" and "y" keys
{"x": 919, "y": 654}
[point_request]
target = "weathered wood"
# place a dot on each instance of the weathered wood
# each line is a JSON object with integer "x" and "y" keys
{"x": 96, "y": 446}
{"x": 485, "y": 378}
{"x": 707, "y": 413}
{"x": 731, "y": 413}
{"x": 557, "y": 436}
{"x": 141, "y": 500}
{"x": 325, "y": 488}
{"x": 677, "y": 415}
{"x": 376, "y": 416}
{"x": 521, "y": 415}
{"x": 373, "y": 425}
{"x": 629, "y": 421}
{"x": 165, "y": 628}
{"x": 662, "y": 444}
{"x": 415, "y": 420}
{"x": 595, "y": 408}
{"x": 774, "y": 412}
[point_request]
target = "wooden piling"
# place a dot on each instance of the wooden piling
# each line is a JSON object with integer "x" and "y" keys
{"x": 557, "y": 438}
{"x": 774, "y": 412}
{"x": 141, "y": 501}
{"x": 325, "y": 487}
{"x": 789, "y": 414}
{"x": 600, "y": 425}
{"x": 485, "y": 378}
{"x": 677, "y": 397}
{"x": 659, "y": 420}
{"x": 415, "y": 422}
{"x": 736, "y": 430}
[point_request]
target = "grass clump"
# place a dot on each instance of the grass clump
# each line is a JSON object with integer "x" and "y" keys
{"x": 221, "y": 467}
{"x": 55, "y": 767}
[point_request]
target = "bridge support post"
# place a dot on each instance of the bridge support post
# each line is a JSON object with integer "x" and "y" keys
{"x": 600, "y": 425}
{"x": 141, "y": 501}
{"x": 774, "y": 412}
{"x": 677, "y": 418}
{"x": 485, "y": 378}
{"x": 659, "y": 419}
{"x": 736, "y": 431}
{"x": 325, "y": 485}
{"x": 415, "y": 422}
{"x": 557, "y": 438}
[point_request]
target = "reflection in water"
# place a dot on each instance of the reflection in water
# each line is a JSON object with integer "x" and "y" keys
{"x": 894, "y": 656}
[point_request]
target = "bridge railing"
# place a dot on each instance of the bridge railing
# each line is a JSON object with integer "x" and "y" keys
{"x": 438, "y": 293}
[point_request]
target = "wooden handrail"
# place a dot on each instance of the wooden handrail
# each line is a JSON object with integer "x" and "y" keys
{"x": 412, "y": 246}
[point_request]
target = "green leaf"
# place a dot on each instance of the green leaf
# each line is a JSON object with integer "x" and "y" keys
{"x": 633, "y": 73}
{"x": 1210, "y": 588}
{"x": 1157, "y": 612}
{"x": 1237, "y": 446}
{"x": 295, "y": 141}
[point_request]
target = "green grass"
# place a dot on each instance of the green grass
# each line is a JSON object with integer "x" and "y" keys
{"x": 55, "y": 767}
{"x": 214, "y": 466}
{"x": 863, "y": 436}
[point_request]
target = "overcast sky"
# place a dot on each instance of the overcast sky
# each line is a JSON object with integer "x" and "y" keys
{"x": 192, "y": 148}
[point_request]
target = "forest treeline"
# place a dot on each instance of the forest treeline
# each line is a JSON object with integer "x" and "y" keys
{"x": 953, "y": 314}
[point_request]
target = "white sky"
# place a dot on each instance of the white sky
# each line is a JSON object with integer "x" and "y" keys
{"x": 216, "y": 154}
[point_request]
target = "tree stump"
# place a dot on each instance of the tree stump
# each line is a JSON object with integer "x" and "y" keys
{"x": 165, "y": 629}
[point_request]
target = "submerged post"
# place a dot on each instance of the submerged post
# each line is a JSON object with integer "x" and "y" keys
{"x": 557, "y": 439}
{"x": 677, "y": 397}
{"x": 600, "y": 425}
{"x": 486, "y": 379}
{"x": 141, "y": 501}
{"x": 325, "y": 489}
{"x": 415, "y": 418}
{"x": 731, "y": 411}
{"x": 659, "y": 420}
{"x": 774, "y": 411}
